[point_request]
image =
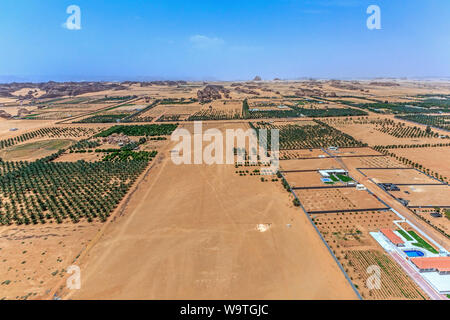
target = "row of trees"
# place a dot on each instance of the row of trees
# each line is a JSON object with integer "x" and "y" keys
{"x": 140, "y": 130}
{"x": 43, "y": 191}
{"x": 442, "y": 122}
{"x": 52, "y": 132}
{"x": 295, "y": 136}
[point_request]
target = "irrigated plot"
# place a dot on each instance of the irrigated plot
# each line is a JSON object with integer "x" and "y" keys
{"x": 348, "y": 235}
{"x": 304, "y": 179}
{"x": 337, "y": 199}
{"x": 307, "y": 136}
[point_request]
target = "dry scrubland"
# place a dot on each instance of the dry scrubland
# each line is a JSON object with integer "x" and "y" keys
{"x": 147, "y": 228}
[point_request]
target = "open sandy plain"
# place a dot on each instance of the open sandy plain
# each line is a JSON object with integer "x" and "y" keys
{"x": 211, "y": 234}
{"x": 205, "y": 232}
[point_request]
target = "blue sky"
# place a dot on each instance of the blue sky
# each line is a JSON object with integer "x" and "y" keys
{"x": 223, "y": 40}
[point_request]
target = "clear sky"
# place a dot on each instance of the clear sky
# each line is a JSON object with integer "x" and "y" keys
{"x": 223, "y": 39}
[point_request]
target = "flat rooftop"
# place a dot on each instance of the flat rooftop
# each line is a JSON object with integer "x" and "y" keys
{"x": 440, "y": 264}
{"x": 388, "y": 233}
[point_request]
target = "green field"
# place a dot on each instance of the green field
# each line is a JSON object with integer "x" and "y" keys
{"x": 34, "y": 150}
{"x": 140, "y": 130}
{"x": 344, "y": 178}
{"x": 405, "y": 235}
{"x": 422, "y": 243}
{"x": 334, "y": 178}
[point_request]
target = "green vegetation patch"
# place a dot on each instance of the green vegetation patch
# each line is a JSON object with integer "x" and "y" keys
{"x": 422, "y": 243}
{"x": 334, "y": 178}
{"x": 130, "y": 156}
{"x": 35, "y": 149}
{"x": 405, "y": 235}
{"x": 344, "y": 178}
{"x": 441, "y": 121}
{"x": 140, "y": 130}
{"x": 53, "y": 192}
{"x": 104, "y": 118}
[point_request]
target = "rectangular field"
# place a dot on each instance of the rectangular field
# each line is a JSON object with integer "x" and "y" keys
{"x": 354, "y": 152}
{"x": 309, "y": 164}
{"x": 434, "y": 196}
{"x": 434, "y": 158}
{"x": 399, "y": 176}
{"x": 336, "y": 200}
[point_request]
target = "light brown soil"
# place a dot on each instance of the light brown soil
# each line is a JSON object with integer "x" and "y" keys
{"x": 438, "y": 195}
{"x": 337, "y": 199}
{"x": 435, "y": 159}
{"x": 404, "y": 176}
{"x": 35, "y": 258}
{"x": 198, "y": 238}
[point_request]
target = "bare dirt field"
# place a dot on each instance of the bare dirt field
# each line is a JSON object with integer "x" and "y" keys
{"x": 304, "y": 179}
{"x": 212, "y": 234}
{"x": 442, "y": 223}
{"x": 302, "y": 154}
{"x": 375, "y": 162}
{"x": 309, "y": 164}
{"x": 337, "y": 199}
{"x": 396, "y": 176}
{"x": 352, "y": 152}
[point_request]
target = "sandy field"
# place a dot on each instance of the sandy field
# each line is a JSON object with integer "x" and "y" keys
{"x": 345, "y": 152}
{"x": 336, "y": 199}
{"x": 435, "y": 159}
{"x": 403, "y": 176}
{"x": 309, "y": 164}
{"x": 212, "y": 234}
{"x": 33, "y": 259}
{"x": 375, "y": 162}
{"x": 438, "y": 195}
{"x": 443, "y": 223}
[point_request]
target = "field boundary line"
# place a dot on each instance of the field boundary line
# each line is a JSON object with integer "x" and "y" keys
{"x": 325, "y": 242}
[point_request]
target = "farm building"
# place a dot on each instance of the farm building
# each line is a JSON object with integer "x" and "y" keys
{"x": 328, "y": 173}
{"x": 433, "y": 264}
{"x": 392, "y": 237}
